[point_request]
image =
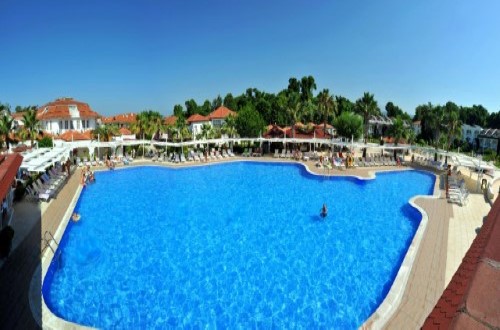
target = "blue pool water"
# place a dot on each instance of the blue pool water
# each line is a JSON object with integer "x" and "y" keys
{"x": 233, "y": 245}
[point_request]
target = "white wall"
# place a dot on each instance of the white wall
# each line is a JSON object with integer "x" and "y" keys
{"x": 60, "y": 125}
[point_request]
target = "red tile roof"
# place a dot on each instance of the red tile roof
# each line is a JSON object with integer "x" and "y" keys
{"x": 170, "y": 120}
{"x": 75, "y": 136}
{"x": 124, "y": 118}
{"x": 221, "y": 113}
{"x": 472, "y": 298}
{"x": 20, "y": 148}
{"x": 18, "y": 115}
{"x": 9, "y": 165}
{"x": 196, "y": 118}
{"x": 124, "y": 131}
{"x": 60, "y": 109}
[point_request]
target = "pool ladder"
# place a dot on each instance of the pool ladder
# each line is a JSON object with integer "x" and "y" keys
{"x": 48, "y": 240}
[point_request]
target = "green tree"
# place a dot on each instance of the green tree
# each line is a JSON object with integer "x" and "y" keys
{"x": 293, "y": 106}
{"x": 398, "y": 130}
{"x": 344, "y": 104}
{"x": 366, "y": 106}
{"x": 207, "y": 131}
{"x": 327, "y": 106}
{"x": 475, "y": 115}
{"x": 393, "y": 110}
{"x": 293, "y": 85}
{"x": 307, "y": 86}
{"x": 46, "y": 142}
{"x": 191, "y": 107}
{"x": 178, "y": 110}
{"x": 5, "y": 107}
{"x": 493, "y": 120}
{"x": 348, "y": 124}
{"x": 229, "y": 126}
{"x": 31, "y": 124}
{"x": 451, "y": 123}
{"x": 6, "y": 127}
{"x": 105, "y": 133}
{"x": 217, "y": 102}
{"x": 249, "y": 122}
{"x": 229, "y": 102}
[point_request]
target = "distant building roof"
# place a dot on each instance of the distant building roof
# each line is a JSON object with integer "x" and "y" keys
{"x": 490, "y": 133}
{"x": 65, "y": 108}
{"x": 472, "y": 298}
{"x": 196, "y": 118}
{"x": 18, "y": 115}
{"x": 124, "y": 131}
{"x": 9, "y": 165}
{"x": 124, "y": 118}
{"x": 221, "y": 113}
{"x": 170, "y": 120}
{"x": 74, "y": 136}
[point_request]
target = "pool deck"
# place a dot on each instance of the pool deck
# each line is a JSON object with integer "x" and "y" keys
{"x": 447, "y": 236}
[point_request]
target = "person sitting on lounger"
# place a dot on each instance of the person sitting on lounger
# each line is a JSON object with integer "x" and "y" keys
{"x": 324, "y": 211}
{"x": 75, "y": 217}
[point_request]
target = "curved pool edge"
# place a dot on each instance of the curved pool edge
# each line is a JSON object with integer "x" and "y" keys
{"x": 377, "y": 320}
{"x": 48, "y": 319}
{"x": 392, "y": 300}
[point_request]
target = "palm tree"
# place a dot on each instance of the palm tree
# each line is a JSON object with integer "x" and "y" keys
{"x": 140, "y": 125}
{"x": 327, "y": 106}
{"x": 367, "y": 106}
{"x": 5, "y": 127}
{"x": 293, "y": 106}
{"x": 31, "y": 124}
{"x": 105, "y": 132}
{"x": 451, "y": 123}
{"x": 205, "y": 130}
{"x": 398, "y": 130}
{"x": 155, "y": 123}
{"x": 229, "y": 126}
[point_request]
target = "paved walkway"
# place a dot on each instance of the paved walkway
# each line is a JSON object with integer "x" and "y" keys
{"x": 17, "y": 272}
{"x": 449, "y": 229}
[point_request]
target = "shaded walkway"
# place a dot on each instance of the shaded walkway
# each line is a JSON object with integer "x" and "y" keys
{"x": 18, "y": 270}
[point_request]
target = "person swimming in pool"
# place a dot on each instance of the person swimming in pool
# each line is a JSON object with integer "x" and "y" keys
{"x": 75, "y": 217}
{"x": 324, "y": 211}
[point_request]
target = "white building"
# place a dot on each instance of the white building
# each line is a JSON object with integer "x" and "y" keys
{"x": 470, "y": 133}
{"x": 216, "y": 119}
{"x": 195, "y": 123}
{"x": 417, "y": 127}
{"x": 66, "y": 114}
{"x": 488, "y": 139}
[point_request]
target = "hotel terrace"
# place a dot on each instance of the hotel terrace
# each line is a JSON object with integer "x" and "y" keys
{"x": 432, "y": 268}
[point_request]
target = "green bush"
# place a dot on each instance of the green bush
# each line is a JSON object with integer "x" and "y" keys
{"x": 45, "y": 142}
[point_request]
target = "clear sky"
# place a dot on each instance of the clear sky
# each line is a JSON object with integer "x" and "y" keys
{"x": 127, "y": 56}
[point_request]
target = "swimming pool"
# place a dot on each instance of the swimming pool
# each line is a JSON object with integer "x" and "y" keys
{"x": 235, "y": 244}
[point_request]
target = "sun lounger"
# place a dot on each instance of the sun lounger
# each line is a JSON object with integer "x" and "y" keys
{"x": 276, "y": 153}
{"x": 230, "y": 153}
{"x": 283, "y": 153}
{"x": 177, "y": 158}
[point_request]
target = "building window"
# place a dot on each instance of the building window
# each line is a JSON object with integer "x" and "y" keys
{"x": 60, "y": 125}
{"x": 88, "y": 124}
{"x": 66, "y": 124}
{"x": 83, "y": 124}
{"x": 77, "y": 124}
{"x": 71, "y": 124}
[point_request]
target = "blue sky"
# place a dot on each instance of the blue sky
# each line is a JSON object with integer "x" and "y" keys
{"x": 127, "y": 56}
